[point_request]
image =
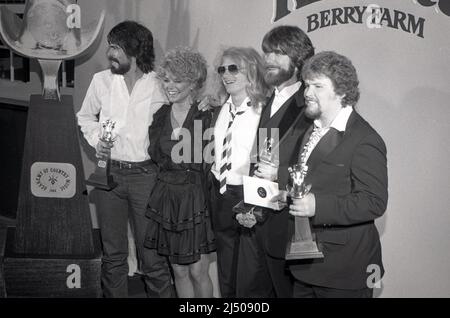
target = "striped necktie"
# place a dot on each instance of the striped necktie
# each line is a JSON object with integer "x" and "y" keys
{"x": 225, "y": 162}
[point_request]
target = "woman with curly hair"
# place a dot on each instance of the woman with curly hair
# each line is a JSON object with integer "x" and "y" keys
{"x": 179, "y": 218}
{"x": 241, "y": 76}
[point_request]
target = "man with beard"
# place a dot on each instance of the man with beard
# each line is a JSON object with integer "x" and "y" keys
{"x": 347, "y": 171}
{"x": 128, "y": 94}
{"x": 263, "y": 245}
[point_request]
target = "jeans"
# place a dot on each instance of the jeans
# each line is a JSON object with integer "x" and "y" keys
{"x": 129, "y": 200}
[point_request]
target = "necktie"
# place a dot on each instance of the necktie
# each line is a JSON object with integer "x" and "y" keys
{"x": 313, "y": 140}
{"x": 225, "y": 162}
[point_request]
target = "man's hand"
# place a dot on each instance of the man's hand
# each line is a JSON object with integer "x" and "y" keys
{"x": 281, "y": 197}
{"x": 103, "y": 149}
{"x": 266, "y": 171}
{"x": 305, "y": 206}
{"x": 209, "y": 102}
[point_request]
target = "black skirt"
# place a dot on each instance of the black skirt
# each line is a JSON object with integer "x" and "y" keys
{"x": 179, "y": 220}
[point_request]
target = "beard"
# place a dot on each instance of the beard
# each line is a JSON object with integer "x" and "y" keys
{"x": 121, "y": 69}
{"x": 278, "y": 78}
{"x": 312, "y": 111}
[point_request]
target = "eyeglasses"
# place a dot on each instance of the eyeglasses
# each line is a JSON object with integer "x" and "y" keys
{"x": 232, "y": 68}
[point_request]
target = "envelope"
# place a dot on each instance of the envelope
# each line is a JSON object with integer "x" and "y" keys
{"x": 260, "y": 191}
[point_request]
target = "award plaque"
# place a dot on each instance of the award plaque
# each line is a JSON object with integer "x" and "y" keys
{"x": 53, "y": 250}
{"x": 101, "y": 178}
{"x": 302, "y": 244}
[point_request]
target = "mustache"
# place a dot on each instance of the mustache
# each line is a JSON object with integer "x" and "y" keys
{"x": 111, "y": 59}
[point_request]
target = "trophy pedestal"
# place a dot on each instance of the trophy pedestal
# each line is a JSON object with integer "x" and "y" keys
{"x": 302, "y": 245}
{"x": 303, "y": 250}
{"x": 66, "y": 276}
{"x": 52, "y": 251}
{"x": 101, "y": 178}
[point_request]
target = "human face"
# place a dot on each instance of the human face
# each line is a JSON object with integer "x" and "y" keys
{"x": 177, "y": 91}
{"x": 120, "y": 63}
{"x": 321, "y": 100}
{"x": 279, "y": 69}
{"x": 235, "y": 84}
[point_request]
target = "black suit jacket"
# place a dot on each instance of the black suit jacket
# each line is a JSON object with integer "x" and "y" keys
{"x": 348, "y": 174}
{"x": 292, "y": 126}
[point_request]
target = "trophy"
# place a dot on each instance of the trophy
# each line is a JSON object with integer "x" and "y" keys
{"x": 101, "y": 178}
{"x": 302, "y": 244}
{"x": 267, "y": 155}
{"x": 53, "y": 251}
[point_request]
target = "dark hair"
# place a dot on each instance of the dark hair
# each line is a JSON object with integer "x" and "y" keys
{"x": 291, "y": 41}
{"x": 136, "y": 41}
{"x": 339, "y": 70}
{"x": 186, "y": 65}
{"x": 250, "y": 60}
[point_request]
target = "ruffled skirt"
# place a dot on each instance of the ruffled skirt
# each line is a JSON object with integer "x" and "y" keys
{"x": 179, "y": 220}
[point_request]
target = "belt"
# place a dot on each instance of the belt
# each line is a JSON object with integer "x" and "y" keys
{"x": 129, "y": 164}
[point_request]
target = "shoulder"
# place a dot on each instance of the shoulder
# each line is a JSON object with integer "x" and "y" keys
{"x": 363, "y": 131}
{"x": 161, "y": 112}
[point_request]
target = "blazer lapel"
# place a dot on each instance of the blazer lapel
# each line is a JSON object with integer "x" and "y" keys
{"x": 325, "y": 146}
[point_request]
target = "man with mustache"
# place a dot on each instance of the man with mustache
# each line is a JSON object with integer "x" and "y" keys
{"x": 263, "y": 245}
{"x": 347, "y": 171}
{"x": 128, "y": 94}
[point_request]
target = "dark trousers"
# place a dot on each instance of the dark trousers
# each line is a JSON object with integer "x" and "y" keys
{"x": 129, "y": 201}
{"x": 261, "y": 275}
{"x": 226, "y": 230}
{"x": 304, "y": 290}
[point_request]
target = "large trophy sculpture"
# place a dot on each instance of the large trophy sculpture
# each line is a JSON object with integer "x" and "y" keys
{"x": 53, "y": 251}
{"x": 302, "y": 244}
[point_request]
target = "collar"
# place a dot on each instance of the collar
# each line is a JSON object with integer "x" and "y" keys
{"x": 243, "y": 107}
{"x": 288, "y": 91}
{"x": 340, "y": 122}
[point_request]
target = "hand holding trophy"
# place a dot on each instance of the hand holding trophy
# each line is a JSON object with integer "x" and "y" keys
{"x": 102, "y": 178}
{"x": 302, "y": 244}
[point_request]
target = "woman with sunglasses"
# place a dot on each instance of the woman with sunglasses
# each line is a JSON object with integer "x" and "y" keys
{"x": 241, "y": 77}
{"x": 180, "y": 225}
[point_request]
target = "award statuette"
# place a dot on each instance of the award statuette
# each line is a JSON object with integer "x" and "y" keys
{"x": 101, "y": 178}
{"x": 302, "y": 244}
{"x": 267, "y": 155}
{"x": 53, "y": 251}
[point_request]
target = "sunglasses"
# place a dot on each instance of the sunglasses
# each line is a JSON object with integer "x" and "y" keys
{"x": 233, "y": 69}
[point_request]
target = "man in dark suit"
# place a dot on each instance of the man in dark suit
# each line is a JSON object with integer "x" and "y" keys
{"x": 261, "y": 274}
{"x": 347, "y": 171}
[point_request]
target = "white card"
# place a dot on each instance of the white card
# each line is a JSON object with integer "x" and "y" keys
{"x": 260, "y": 191}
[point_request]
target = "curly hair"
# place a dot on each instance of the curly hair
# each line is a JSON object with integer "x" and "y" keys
{"x": 249, "y": 59}
{"x": 291, "y": 41}
{"x": 186, "y": 65}
{"x": 339, "y": 70}
{"x": 136, "y": 41}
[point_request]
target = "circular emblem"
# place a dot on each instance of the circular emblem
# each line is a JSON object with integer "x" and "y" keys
{"x": 262, "y": 192}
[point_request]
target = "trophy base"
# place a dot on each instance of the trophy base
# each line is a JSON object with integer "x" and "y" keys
{"x": 101, "y": 182}
{"x": 37, "y": 276}
{"x": 302, "y": 250}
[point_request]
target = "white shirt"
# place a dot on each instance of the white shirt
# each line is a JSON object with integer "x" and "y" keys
{"x": 108, "y": 97}
{"x": 243, "y": 137}
{"x": 282, "y": 96}
{"x": 339, "y": 123}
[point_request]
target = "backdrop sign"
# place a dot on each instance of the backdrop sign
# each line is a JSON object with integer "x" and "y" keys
{"x": 373, "y": 16}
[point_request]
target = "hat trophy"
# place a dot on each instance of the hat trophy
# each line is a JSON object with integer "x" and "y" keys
{"x": 53, "y": 250}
